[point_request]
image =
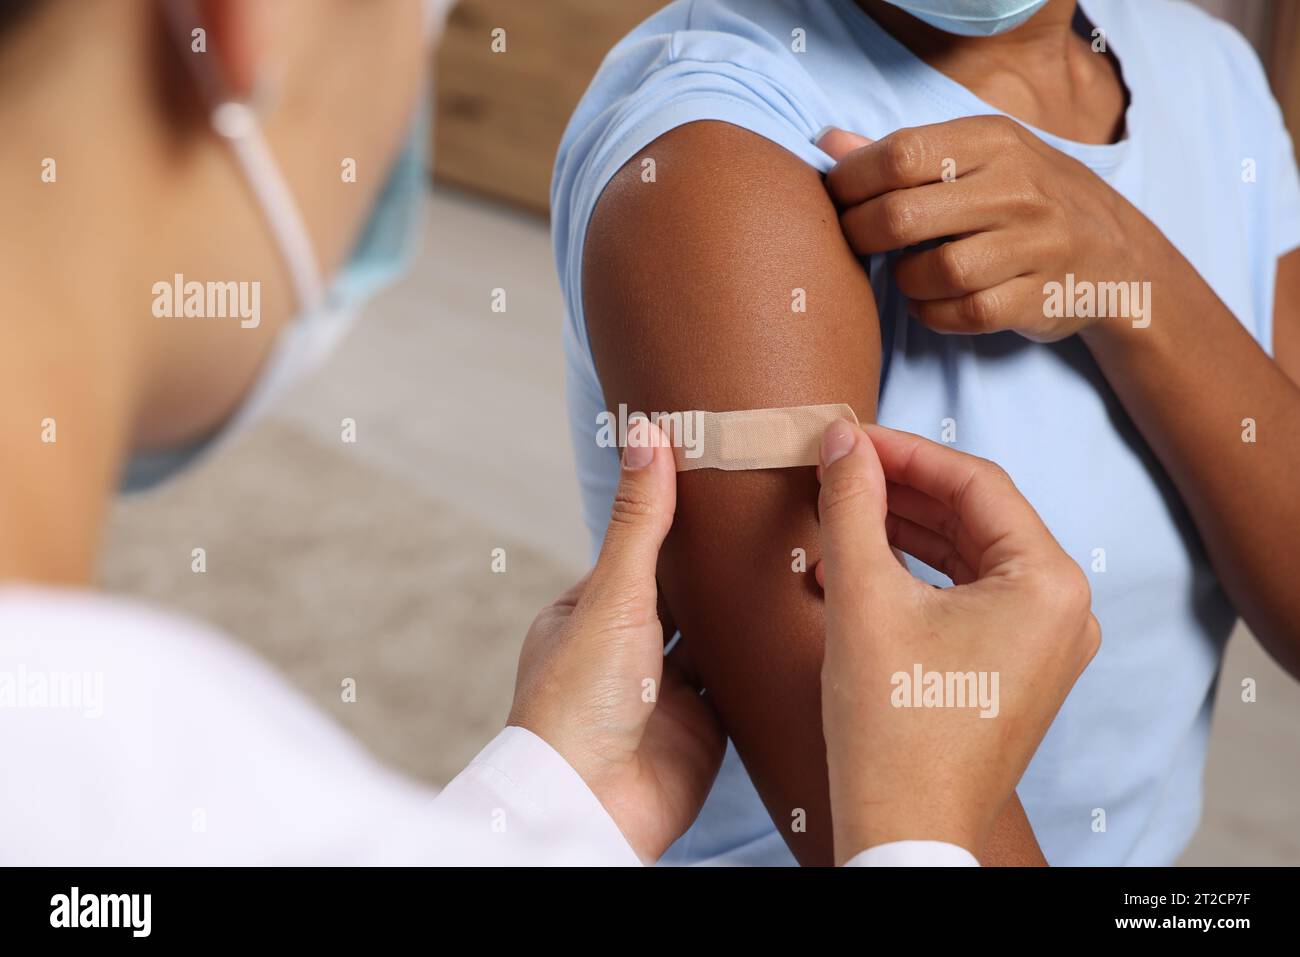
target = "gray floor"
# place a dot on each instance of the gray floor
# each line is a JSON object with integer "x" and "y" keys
{"x": 371, "y": 560}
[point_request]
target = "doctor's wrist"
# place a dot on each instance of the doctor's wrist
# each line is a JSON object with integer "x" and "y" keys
{"x": 876, "y": 824}
{"x": 612, "y": 781}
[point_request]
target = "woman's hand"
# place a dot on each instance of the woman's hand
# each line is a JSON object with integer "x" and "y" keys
{"x": 909, "y": 760}
{"x": 1009, "y": 213}
{"x": 593, "y": 681}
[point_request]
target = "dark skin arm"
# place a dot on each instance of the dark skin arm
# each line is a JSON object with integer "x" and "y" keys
{"x": 688, "y": 290}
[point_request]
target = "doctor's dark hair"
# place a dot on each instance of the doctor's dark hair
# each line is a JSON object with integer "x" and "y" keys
{"x": 12, "y": 10}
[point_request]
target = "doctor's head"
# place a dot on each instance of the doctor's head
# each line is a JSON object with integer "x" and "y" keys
{"x": 235, "y": 153}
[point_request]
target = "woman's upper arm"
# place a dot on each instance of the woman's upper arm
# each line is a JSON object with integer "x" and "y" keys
{"x": 1286, "y": 315}
{"x": 692, "y": 287}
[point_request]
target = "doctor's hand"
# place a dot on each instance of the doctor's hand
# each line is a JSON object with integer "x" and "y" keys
{"x": 908, "y": 758}
{"x": 593, "y": 681}
{"x": 1013, "y": 214}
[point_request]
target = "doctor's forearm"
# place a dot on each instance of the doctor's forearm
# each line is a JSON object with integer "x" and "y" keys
{"x": 1224, "y": 420}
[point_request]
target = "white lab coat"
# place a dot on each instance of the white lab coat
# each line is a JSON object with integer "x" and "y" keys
{"x": 131, "y": 736}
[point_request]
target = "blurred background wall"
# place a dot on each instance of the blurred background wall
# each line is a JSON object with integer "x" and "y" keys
{"x": 371, "y": 560}
{"x": 500, "y": 117}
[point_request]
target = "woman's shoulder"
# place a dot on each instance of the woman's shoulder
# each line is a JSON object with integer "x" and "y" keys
{"x": 754, "y": 44}
{"x": 727, "y": 60}
{"x": 709, "y": 30}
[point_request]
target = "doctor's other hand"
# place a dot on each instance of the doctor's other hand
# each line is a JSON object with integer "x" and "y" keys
{"x": 935, "y": 699}
{"x": 593, "y": 681}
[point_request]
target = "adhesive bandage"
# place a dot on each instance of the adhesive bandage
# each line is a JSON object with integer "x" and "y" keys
{"x": 754, "y": 438}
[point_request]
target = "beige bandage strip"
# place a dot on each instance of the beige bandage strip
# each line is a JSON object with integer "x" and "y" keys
{"x": 757, "y": 438}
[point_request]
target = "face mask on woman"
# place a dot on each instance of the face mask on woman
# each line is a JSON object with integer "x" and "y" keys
{"x": 971, "y": 18}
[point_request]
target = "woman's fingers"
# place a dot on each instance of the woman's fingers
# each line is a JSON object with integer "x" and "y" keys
{"x": 1014, "y": 304}
{"x": 956, "y": 268}
{"x": 902, "y": 160}
{"x": 914, "y": 156}
{"x": 907, "y": 217}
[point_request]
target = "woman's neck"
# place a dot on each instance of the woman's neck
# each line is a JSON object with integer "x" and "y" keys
{"x": 1042, "y": 72}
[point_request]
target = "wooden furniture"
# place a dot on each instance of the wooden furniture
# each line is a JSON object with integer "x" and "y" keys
{"x": 501, "y": 114}
{"x": 1282, "y": 58}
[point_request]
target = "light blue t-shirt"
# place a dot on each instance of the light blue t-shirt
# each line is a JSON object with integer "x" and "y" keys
{"x": 1206, "y": 158}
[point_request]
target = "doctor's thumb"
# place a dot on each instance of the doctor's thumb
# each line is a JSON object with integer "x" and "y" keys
{"x": 852, "y": 506}
{"x": 624, "y": 576}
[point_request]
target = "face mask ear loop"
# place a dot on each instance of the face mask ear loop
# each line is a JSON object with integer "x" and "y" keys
{"x": 237, "y": 125}
{"x": 435, "y": 17}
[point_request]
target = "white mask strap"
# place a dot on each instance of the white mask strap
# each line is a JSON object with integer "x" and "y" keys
{"x": 236, "y": 123}
{"x": 435, "y": 16}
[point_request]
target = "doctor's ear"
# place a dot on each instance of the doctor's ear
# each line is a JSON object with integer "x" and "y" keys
{"x": 229, "y": 37}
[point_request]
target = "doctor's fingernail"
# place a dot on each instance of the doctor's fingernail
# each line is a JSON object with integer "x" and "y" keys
{"x": 639, "y": 452}
{"x": 837, "y": 442}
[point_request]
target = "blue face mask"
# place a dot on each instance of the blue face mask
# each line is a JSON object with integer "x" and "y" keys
{"x": 384, "y": 252}
{"x": 971, "y": 18}
{"x": 326, "y": 309}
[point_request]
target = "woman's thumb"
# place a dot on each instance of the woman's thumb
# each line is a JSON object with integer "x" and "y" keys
{"x": 837, "y": 143}
{"x": 852, "y": 506}
{"x": 624, "y": 576}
